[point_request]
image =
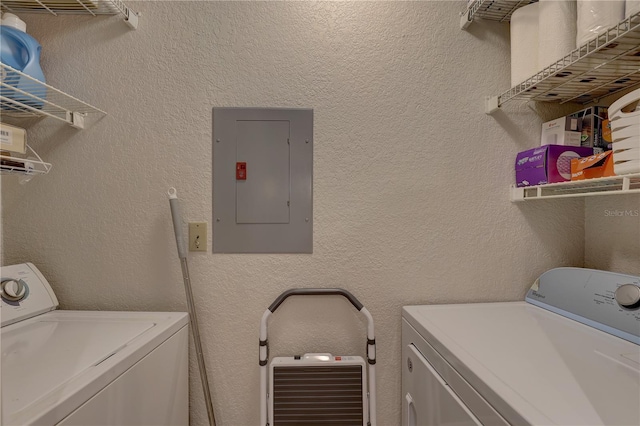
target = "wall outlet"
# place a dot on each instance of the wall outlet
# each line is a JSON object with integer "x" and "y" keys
{"x": 197, "y": 236}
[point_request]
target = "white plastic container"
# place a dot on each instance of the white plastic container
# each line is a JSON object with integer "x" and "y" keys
{"x": 596, "y": 16}
{"x": 631, "y": 7}
{"x": 625, "y": 103}
{"x": 628, "y": 143}
{"x": 626, "y": 167}
{"x": 632, "y": 154}
{"x": 524, "y": 29}
{"x": 626, "y": 133}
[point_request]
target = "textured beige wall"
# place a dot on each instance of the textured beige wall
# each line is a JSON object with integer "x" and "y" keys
{"x": 410, "y": 176}
{"x": 612, "y": 234}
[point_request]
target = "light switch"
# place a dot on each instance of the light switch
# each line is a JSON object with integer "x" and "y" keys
{"x": 197, "y": 236}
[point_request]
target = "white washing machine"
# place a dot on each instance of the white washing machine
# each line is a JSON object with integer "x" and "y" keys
{"x": 568, "y": 355}
{"x": 88, "y": 368}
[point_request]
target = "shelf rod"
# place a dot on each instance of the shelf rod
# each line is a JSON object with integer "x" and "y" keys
{"x": 604, "y": 85}
{"x": 592, "y": 47}
{"x": 585, "y": 194}
{"x": 35, "y": 111}
{"x": 31, "y": 97}
{"x": 497, "y": 10}
{"x": 102, "y": 7}
{"x": 38, "y": 83}
{"x": 46, "y": 7}
{"x": 606, "y": 62}
{"x": 84, "y": 6}
{"x": 622, "y": 184}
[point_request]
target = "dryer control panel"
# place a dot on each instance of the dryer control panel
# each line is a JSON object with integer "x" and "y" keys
{"x": 604, "y": 300}
{"x": 24, "y": 293}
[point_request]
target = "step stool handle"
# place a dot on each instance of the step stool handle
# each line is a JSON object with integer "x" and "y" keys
{"x": 316, "y": 292}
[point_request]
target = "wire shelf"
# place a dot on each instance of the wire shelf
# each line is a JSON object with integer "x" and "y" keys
{"x": 61, "y": 7}
{"x": 602, "y": 66}
{"x": 624, "y": 184}
{"x": 27, "y": 167}
{"x": 494, "y": 10}
{"x": 24, "y": 96}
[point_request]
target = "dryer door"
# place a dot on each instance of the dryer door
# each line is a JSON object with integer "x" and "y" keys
{"x": 427, "y": 399}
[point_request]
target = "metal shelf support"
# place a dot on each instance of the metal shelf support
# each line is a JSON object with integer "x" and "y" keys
{"x": 465, "y": 22}
{"x": 132, "y": 19}
{"x": 491, "y": 104}
{"x": 75, "y": 119}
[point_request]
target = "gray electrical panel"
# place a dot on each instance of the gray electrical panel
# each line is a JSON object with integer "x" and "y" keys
{"x": 262, "y": 180}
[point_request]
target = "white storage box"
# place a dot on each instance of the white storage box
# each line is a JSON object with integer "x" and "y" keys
{"x": 561, "y": 131}
{"x": 13, "y": 139}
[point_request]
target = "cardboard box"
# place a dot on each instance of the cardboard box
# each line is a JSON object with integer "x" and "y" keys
{"x": 561, "y": 131}
{"x": 594, "y": 127}
{"x": 594, "y": 166}
{"x": 547, "y": 164}
{"x": 13, "y": 138}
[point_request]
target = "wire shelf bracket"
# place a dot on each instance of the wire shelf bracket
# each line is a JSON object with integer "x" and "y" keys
{"x": 73, "y": 7}
{"x": 27, "y": 167}
{"x": 24, "y": 96}
{"x": 623, "y": 184}
{"x": 493, "y": 10}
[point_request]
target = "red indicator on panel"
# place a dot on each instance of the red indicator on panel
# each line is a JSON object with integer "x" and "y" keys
{"x": 241, "y": 171}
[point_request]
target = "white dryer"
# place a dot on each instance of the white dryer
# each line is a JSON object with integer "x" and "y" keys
{"x": 568, "y": 355}
{"x": 88, "y": 368}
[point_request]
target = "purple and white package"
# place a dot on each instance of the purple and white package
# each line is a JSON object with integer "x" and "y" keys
{"x": 547, "y": 164}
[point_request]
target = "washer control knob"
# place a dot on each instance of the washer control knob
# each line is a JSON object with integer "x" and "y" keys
{"x": 628, "y": 296}
{"x": 13, "y": 290}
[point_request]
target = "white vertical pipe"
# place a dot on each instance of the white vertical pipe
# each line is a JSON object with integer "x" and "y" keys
{"x": 371, "y": 355}
{"x": 176, "y": 216}
{"x": 264, "y": 355}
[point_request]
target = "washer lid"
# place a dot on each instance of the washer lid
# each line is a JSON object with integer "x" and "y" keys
{"x": 534, "y": 366}
{"x": 53, "y": 363}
